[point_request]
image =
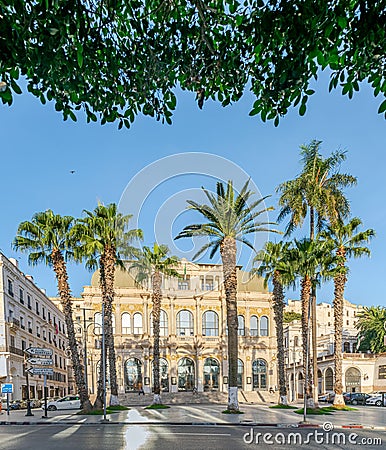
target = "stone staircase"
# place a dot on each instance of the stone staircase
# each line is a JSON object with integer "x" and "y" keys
{"x": 257, "y": 397}
{"x": 186, "y": 398}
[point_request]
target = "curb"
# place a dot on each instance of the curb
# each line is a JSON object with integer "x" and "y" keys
{"x": 202, "y": 424}
{"x": 159, "y": 423}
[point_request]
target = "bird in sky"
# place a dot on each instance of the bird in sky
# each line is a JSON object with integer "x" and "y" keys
{"x": 72, "y": 171}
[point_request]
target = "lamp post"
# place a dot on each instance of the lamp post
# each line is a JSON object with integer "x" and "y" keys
{"x": 85, "y": 337}
{"x": 306, "y": 371}
{"x": 104, "y": 363}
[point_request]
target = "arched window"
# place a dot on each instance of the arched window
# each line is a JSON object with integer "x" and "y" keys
{"x": 353, "y": 380}
{"x": 329, "y": 379}
{"x": 163, "y": 323}
{"x": 211, "y": 374}
{"x": 185, "y": 323}
{"x": 240, "y": 373}
{"x": 133, "y": 375}
{"x": 126, "y": 325}
{"x": 264, "y": 326}
{"x": 346, "y": 347}
{"x": 210, "y": 323}
{"x": 185, "y": 370}
{"x": 137, "y": 320}
{"x": 296, "y": 341}
{"x": 98, "y": 323}
{"x": 254, "y": 326}
{"x": 113, "y": 322}
{"x": 241, "y": 328}
{"x": 259, "y": 374}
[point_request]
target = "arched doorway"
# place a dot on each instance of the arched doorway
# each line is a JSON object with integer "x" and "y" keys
{"x": 320, "y": 382}
{"x": 240, "y": 374}
{"x": 259, "y": 374}
{"x": 163, "y": 374}
{"x": 211, "y": 374}
{"x": 353, "y": 380}
{"x": 186, "y": 381}
{"x": 300, "y": 386}
{"x": 133, "y": 375}
{"x": 329, "y": 380}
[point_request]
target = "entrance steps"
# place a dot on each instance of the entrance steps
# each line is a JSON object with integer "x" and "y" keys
{"x": 169, "y": 398}
{"x": 257, "y": 397}
{"x": 184, "y": 398}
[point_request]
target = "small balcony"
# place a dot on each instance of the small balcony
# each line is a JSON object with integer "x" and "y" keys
{"x": 16, "y": 351}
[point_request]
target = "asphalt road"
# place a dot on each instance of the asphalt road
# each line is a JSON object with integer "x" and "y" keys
{"x": 138, "y": 437}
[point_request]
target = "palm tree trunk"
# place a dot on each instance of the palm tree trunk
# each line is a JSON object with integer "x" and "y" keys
{"x": 313, "y": 374}
{"x": 339, "y": 285}
{"x": 278, "y": 308}
{"x": 228, "y": 256}
{"x": 99, "y": 400}
{"x": 305, "y": 297}
{"x": 60, "y": 269}
{"x": 157, "y": 299}
{"x": 110, "y": 258}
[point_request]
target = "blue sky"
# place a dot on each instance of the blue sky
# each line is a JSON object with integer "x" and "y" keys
{"x": 39, "y": 149}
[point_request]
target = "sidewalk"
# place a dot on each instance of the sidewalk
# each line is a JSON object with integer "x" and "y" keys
{"x": 366, "y": 417}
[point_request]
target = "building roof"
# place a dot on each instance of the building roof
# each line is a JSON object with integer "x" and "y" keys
{"x": 124, "y": 279}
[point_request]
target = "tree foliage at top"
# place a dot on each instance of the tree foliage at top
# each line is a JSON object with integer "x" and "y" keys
{"x": 114, "y": 59}
{"x": 290, "y": 316}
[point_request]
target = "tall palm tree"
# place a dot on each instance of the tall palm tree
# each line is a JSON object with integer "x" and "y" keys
{"x": 346, "y": 241}
{"x": 316, "y": 192}
{"x": 230, "y": 217}
{"x": 275, "y": 266}
{"x": 371, "y": 329}
{"x": 304, "y": 258}
{"x": 104, "y": 238}
{"x": 47, "y": 239}
{"x": 152, "y": 264}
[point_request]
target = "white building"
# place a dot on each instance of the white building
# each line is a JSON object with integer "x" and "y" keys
{"x": 358, "y": 369}
{"x": 28, "y": 318}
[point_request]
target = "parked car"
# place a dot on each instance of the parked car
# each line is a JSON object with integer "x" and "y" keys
{"x": 376, "y": 400}
{"x": 377, "y": 393}
{"x": 68, "y": 402}
{"x": 18, "y": 404}
{"x": 356, "y": 398}
{"x": 328, "y": 397}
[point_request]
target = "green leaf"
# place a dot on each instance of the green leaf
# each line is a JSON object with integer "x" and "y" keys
{"x": 80, "y": 55}
{"x": 342, "y": 22}
{"x": 302, "y": 109}
{"x": 382, "y": 107}
{"x": 15, "y": 87}
{"x": 72, "y": 115}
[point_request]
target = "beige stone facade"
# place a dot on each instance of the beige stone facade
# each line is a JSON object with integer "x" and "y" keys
{"x": 193, "y": 332}
{"x": 29, "y": 319}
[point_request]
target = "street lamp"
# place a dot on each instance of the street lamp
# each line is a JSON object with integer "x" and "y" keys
{"x": 85, "y": 332}
{"x": 306, "y": 371}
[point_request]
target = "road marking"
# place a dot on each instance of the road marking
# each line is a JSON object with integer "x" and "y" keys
{"x": 194, "y": 434}
{"x": 67, "y": 432}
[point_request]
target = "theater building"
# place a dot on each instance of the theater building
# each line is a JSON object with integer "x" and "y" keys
{"x": 193, "y": 332}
